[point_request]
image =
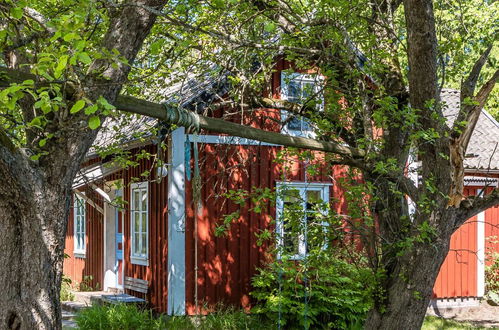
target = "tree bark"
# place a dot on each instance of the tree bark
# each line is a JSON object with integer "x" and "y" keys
{"x": 32, "y": 230}
{"x": 409, "y": 293}
{"x": 35, "y": 195}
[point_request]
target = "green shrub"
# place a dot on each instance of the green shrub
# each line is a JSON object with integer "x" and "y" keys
{"x": 326, "y": 292}
{"x": 114, "y": 317}
{"x": 66, "y": 294}
{"x": 117, "y": 317}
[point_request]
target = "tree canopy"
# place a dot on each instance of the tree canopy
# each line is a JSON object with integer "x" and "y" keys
{"x": 68, "y": 65}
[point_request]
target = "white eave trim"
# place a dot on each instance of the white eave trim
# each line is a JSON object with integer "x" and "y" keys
{"x": 92, "y": 173}
{"x": 481, "y": 181}
{"x": 225, "y": 139}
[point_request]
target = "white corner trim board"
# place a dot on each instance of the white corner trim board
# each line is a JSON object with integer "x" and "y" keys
{"x": 176, "y": 223}
{"x": 480, "y": 232}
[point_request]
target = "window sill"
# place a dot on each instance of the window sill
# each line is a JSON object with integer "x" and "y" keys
{"x": 79, "y": 254}
{"x": 139, "y": 261}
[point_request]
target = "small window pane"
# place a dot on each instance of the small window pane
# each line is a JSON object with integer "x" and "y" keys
{"x": 136, "y": 227}
{"x": 144, "y": 246}
{"x": 136, "y": 242}
{"x": 144, "y": 201}
{"x": 136, "y": 199}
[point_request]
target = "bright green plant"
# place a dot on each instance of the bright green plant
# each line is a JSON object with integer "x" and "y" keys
{"x": 86, "y": 284}
{"x": 329, "y": 287}
{"x": 126, "y": 317}
{"x": 325, "y": 291}
{"x": 66, "y": 294}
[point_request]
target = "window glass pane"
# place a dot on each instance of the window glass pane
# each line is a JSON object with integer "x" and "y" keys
{"x": 295, "y": 124}
{"x": 290, "y": 237}
{"x": 144, "y": 222}
{"x": 136, "y": 242}
{"x": 136, "y": 200}
{"x": 144, "y": 245}
{"x": 313, "y": 199}
{"x": 294, "y": 91}
{"x": 144, "y": 200}
{"x": 136, "y": 222}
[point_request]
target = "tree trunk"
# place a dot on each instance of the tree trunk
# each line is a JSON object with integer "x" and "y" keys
{"x": 408, "y": 293}
{"x": 33, "y": 222}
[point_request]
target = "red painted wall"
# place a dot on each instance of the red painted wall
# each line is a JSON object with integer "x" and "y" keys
{"x": 92, "y": 265}
{"x": 156, "y": 272}
{"x": 458, "y": 274}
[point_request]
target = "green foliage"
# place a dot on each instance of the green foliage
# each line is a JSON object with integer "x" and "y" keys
{"x": 325, "y": 291}
{"x": 86, "y": 284}
{"x": 66, "y": 294}
{"x": 438, "y": 323}
{"x": 124, "y": 317}
{"x": 117, "y": 317}
{"x": 492, "y": 272}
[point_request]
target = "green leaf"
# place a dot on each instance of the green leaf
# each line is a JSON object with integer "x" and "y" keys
{"x": 61, "y": 65}
{"x": 84, "y": 58}
{"x": 36, "y": 122}
{"x": 91, "y": 109}
{"x": 77, "y": 106}
{"x": 270, "y": 27}
{"x": 42, "y": 142}
{"x": 71, "y": 36}
{"x": 16, "y": 12}
{"x": 94, "y": 122}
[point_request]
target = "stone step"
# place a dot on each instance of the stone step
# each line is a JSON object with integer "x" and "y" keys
{"x": 73, "y": 306}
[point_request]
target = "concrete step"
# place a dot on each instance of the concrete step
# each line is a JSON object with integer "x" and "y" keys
{"x": 69, "y": 311}
{"x": 73, "y": 306}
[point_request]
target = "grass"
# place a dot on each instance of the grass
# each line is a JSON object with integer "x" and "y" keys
{"x": 128, "y": 317}
{"x": 437, "y": 323}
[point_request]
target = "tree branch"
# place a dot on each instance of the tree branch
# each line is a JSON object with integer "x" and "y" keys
{"x": 146, "y": 108}
{"x": 468, "y": 85}
{"x": 6, "y": 142}
{"x": 473, "y": 205}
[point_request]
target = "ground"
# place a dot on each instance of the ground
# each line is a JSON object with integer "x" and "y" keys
{"x": 485, "y": 315}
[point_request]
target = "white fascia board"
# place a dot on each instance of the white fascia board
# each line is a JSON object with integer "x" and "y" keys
{"x": 93, "y": 173}
{"x": 224, "y": 139}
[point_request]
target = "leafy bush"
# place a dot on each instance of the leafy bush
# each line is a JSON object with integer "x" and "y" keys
{"x": 117, "y": 317}
{"x": 66, "y": 294}
{"x": 326, "y": 291}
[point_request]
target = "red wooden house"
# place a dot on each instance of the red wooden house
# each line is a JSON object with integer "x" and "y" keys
{"x": 163, "y": 249}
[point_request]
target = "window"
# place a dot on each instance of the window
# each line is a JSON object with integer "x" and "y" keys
{"x": 301, "y": 208}
{"x": 79, "y": 227}
{"x": 140, "y": 224}
{"x": 299, "y": 88}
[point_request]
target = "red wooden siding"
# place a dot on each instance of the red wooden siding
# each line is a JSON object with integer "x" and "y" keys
{"x": 156, "y": 272}
{"x": 226, "y": 264}
{"x": 92, "y": 265}
{"x": 458, "y": 274}
{"x": 491, "y": 232}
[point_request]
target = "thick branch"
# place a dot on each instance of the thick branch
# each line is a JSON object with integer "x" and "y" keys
{"x": 155, "y": 110}
{"x": 468, "y": 86}
{"x": 470, "y": 113}
{"x": 473, "y": 205}
{"x": 6, "y": 142}
{"x": 134, "y": 105}
{"x": 300, "y": 110}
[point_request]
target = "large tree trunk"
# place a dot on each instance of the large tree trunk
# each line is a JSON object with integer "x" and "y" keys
{"x": 35, "y": 195}
{"x": 408, "y": 293}
{"x": 33, "y": 217}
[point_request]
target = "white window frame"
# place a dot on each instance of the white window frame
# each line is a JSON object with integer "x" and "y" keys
{"x": 139, "y": 258}
{"x": 302, "y": 187}
{"x": 79, "y": 250}
{"x": 286, "y": 77}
